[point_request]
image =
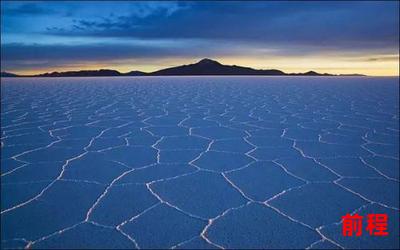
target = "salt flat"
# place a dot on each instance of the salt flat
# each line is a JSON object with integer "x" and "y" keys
{"x": 197, "y": 162}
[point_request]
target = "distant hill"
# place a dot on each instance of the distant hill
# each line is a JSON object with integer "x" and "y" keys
{"x": 135, "y": 73}
{"x": 6, "y": 74}
{"x": 310, "y": 73}
{"x": 101, "y": 72}
{"x": 211, "y": 67}
{"x": 203, "y": 67}
{"x": 352, "y": 75}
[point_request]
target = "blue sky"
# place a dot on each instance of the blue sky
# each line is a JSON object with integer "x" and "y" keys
{"x": 333, "y": 37}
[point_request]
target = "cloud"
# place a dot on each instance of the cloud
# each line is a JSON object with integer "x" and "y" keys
{"x": 356, "y": 25}
{"x": 60, "y": 33}
{"x": 140, "y": 12}
{"x": 384, "y": 58}
{"x": 56, "y": 52}
{"x": 18, "y": 55}
{"x": 25, "y": 9}
{"x": 146, "y": 9}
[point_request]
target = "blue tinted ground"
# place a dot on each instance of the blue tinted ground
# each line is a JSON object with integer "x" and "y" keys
{"x": 197, "y": 162}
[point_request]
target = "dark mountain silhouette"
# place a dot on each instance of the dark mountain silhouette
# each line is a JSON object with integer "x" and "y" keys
{"x": 135, "y": 73}
{"x": 210, "y": 67}
{"x": 203, "y": 67}
{"x": 352, "y": 75}
{"x": 101, "y": 72}
{"x": 310, "y": 73}
{"x": 6, "y": 74}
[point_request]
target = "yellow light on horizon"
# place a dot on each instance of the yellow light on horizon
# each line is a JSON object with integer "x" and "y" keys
{"x": 292, "y": 64}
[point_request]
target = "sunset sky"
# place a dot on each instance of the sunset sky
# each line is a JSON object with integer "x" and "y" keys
{"x": 331, "y": 37}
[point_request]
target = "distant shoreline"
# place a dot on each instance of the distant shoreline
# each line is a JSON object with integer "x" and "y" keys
{"x": 148, "y": 76}
{"x": 205, "y": 67}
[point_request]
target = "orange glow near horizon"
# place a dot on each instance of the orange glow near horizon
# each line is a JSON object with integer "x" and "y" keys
{"x": 320, "y": 64}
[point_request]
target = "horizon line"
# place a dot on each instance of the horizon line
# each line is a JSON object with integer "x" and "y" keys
{"x": 186, "y": 64}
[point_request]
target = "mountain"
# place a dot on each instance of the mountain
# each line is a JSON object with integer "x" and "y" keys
{"x": 101, "y": 72}
{"x": 135, "y": 73}
{"x": 210, "y": 67}
{"x": 203, "y": 67}
{"x": 352, "y": 75}
{"x": 310, "y": 73}
{"x": 7, "y": 74}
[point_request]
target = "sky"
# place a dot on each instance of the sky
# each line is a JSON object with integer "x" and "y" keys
{"x": 324, "y": 36}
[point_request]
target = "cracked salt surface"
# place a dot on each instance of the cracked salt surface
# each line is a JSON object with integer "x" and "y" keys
{"x": 197, "y": 162}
